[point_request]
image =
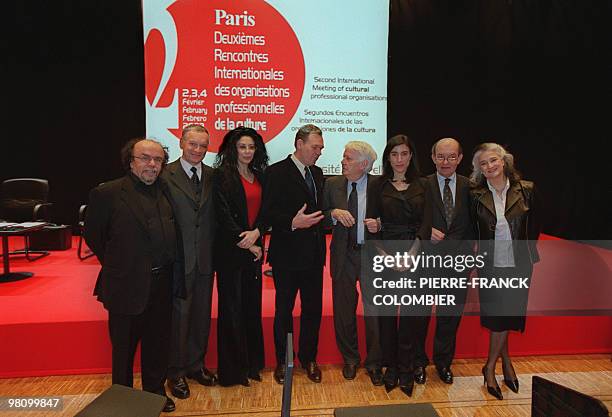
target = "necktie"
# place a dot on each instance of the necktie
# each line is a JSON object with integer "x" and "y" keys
{"x": 195, "y": 181}
{"x": 447, "y": 200}
{"x": 310, "y": 183}
{"x": 353, "y": 208}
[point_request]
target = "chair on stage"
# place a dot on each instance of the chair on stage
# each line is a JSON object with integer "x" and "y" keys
{"x": 88, "y": 253}
{"x": 25, "y": 200}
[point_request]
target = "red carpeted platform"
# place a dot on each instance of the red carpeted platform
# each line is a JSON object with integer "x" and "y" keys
{"x": 50, "y": 324}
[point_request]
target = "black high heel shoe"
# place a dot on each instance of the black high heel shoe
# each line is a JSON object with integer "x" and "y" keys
{"x": 494, "y": 391}
{"x": 406, "y": 384}
{"x": 390, "y": 379}
{"x": 513, "y": 384}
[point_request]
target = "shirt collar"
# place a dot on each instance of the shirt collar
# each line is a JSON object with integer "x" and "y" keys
{"x": 441, "y": 178}
{"x": 298, "y": 164}
{"x": 506, "y": 187}
{"x": 187, "y": 167}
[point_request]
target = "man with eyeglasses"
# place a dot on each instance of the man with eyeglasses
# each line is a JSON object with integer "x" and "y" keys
{"x": 190, "y": 184}
{"x": 130, "y": 227}
{"x": 446, "y": 230}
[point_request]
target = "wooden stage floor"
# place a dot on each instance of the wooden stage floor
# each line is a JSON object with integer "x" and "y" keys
{"x": 591, "y": 374}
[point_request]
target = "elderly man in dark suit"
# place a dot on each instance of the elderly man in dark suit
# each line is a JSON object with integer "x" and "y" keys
{"x": 130, "y": 227}
{"x": 447, "y": 230}
{"x": 190, "y": 184}
{"x": 292, "y": 206}
{"x": 346, "y": 205}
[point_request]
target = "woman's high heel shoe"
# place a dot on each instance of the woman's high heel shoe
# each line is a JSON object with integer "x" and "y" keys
{"x": 494, "y": 391}
{"x": 513, "y": 384}
{"x": 406, "y": 384}
{"x": 390, "y": 379}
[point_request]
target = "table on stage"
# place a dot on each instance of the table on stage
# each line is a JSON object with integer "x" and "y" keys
{"x": 15, "y": 229}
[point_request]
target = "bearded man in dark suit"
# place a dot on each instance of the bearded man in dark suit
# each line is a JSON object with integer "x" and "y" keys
{"x": 292, "y": 206}
{"x": 130, "y": 227}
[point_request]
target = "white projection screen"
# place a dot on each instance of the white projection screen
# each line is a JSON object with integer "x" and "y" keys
{"x": 271, "y": 65}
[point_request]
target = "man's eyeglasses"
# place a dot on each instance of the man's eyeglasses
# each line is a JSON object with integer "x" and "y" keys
{"x": 146, "y": 159}
{"x": 450, "y": 158}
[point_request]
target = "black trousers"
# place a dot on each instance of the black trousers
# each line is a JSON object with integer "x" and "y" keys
{"x": 345, "y": 299}
{"x": 447, "y": 322}
{"x": 191, "y": 325}
{"x": 309, "y": 283}
{"x": 398, "y": 341}
{"x": 239, "y": 330}
{"x": 151, "y": 329}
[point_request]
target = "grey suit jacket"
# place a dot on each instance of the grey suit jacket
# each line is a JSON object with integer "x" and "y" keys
{"x": 335, "y": 197}
{"x": 196, "y": 220}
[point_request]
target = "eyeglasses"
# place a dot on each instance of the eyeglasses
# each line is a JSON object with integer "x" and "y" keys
{"x": 146, "y": 159}
{"x": 450, "y": 158}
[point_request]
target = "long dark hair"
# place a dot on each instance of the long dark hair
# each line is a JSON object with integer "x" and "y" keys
{"x": 413, "y": 171}
{"x": 227, "y": 158}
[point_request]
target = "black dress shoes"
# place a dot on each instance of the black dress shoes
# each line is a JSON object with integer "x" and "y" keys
{"x": 178, "y": 387}
{"x": 349, "y": 371}
{"x": 169, "y": 406}
{"x": 204, "y": 377}
{"x": 390, "y": 379}
{"x": 493, "y": 390}
{"x": 445, "y": 374}
{"x": 254, "y": 375}
{"x": 406, "y": 384}
{"x": 420, "y": 375}
{"x": 376, "y": 376}
{"x": 279, "y": 374}
{"x": 313, "y": 372}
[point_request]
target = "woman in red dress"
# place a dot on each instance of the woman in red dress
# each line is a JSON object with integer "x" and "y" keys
{"x": 238, "y": 181}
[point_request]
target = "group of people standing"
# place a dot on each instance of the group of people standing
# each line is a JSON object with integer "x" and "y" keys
{"x": 161, "y": 231}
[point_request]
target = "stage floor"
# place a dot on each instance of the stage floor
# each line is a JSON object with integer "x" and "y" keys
{"x": 51, "y": 324}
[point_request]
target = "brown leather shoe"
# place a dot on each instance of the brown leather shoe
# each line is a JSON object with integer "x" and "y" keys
{"x": 313, "y": 372}
{"x": 279, "y": 374}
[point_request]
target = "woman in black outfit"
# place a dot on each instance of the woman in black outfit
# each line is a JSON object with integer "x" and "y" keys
{"x": 505, "y": 217}
{"x": 238, "y": 180}
{"x": 400, "y": 207}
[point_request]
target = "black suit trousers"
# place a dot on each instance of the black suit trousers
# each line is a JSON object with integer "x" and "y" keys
{"x": 151, "y": 328}
{"x": 447, "y": 324}
{"x": 309, "y": 282}
{"x": 240, "y": 340}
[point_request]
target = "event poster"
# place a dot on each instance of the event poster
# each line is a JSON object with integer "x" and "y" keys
{"x": 271, "y": 65}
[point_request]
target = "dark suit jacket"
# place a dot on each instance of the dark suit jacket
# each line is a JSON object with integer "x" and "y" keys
{"x": 196, "y": 220}
{"x": 116, "y": 231}
{"x": 285, "y": 193}
{"x": 335, "y": 197}
{"x": 232, "y": 219}
{"x": 459, "y": 233}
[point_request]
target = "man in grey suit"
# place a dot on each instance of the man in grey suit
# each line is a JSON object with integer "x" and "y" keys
{"x": 347, "y": 204}
{"x": 190, "y": 184}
